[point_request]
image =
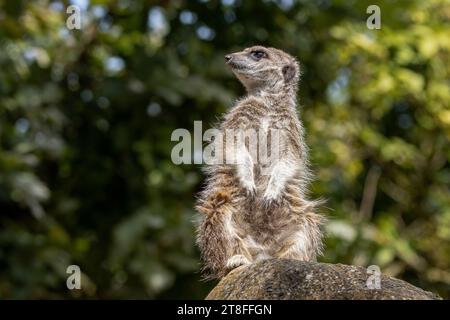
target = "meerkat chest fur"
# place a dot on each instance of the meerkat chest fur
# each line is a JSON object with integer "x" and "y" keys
{"x": 276, "y": 134}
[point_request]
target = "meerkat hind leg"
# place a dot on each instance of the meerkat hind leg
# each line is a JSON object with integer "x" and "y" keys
{"x": 297, "y": 248}
{"x": 241, "y": 255}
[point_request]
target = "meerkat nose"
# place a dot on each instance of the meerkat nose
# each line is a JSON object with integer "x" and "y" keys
{"x": 228, "y": 58}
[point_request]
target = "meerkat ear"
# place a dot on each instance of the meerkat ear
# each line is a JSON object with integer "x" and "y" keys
{"x": 289, "y": 72}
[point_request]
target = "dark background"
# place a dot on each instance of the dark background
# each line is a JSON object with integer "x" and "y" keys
{"x": 86, "y": 117}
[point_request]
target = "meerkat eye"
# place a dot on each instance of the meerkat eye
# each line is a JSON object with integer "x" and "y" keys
{"x": 258, "y": 55}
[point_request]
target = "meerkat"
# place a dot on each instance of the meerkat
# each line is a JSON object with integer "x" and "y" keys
{"x": 245, "y": 215}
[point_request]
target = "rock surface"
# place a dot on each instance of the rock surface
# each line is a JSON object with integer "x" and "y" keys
{"x": 290, "y": 279}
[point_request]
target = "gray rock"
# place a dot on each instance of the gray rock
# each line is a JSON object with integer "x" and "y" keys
{"x": 290, "y": 279}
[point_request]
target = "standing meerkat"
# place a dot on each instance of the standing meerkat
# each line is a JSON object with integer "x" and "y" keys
{"x": 252, "y": 210}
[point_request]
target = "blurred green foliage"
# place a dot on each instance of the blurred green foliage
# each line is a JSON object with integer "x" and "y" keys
{"x": 86, "y": 117}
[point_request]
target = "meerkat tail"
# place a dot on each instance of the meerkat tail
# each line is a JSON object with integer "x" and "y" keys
{"x": 212, "y": 236}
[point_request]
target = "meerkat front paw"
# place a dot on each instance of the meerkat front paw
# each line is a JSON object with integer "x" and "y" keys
{"x": 247, "y": 181}
{"x": 250, "y": 187}
{"x": 271, "y": 196}
{"x": 236, "y": 261}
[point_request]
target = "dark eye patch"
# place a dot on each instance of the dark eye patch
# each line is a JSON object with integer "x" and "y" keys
{"x": 258, "y": 54}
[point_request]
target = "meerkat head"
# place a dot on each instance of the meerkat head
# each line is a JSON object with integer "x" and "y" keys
{"x": 264, "y": 69}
